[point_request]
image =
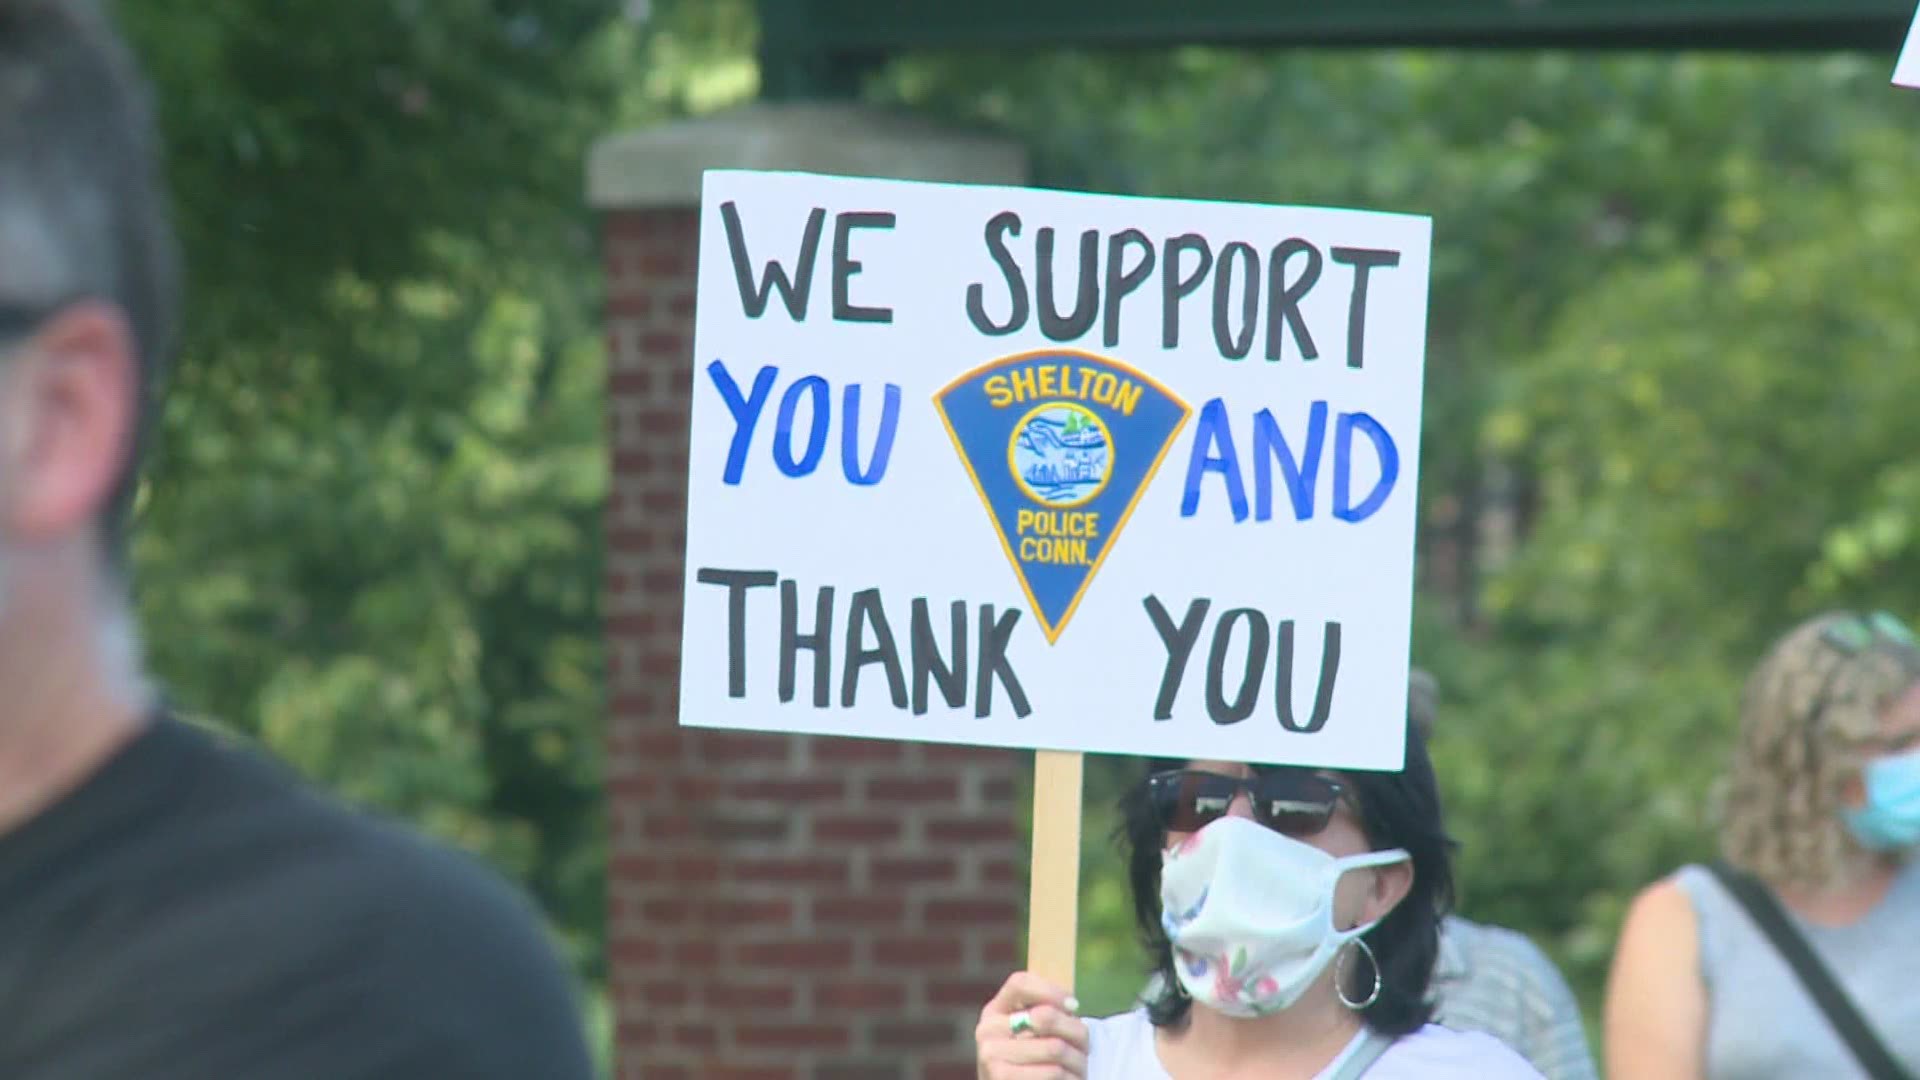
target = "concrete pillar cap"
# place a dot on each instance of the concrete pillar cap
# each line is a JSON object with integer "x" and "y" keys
{"x": 660, "y": 167}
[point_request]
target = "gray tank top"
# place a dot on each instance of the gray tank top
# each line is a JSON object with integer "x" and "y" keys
{"x": 1761, "y": 1024}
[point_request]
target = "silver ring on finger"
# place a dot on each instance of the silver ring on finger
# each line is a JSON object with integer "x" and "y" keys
{"x": 1020, "y": 1023}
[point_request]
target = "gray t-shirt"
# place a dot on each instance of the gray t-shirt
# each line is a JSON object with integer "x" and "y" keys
{"x": 1762, "y": 1024}
{"x": 194, "y": 911}
{"x": 1495, "y": 980}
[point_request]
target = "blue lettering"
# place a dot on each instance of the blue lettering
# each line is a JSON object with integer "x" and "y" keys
{"x": 745, "y": 410}
{"x": 1213, "y": 431}
{"x": 1268, "y": 444}
{"x": 850, "y": 435}
{"x": 1343, "y": 466}
{"x": 818, "y": 395}
{"x": 1213, "y": 451}
{"x": 816, "y": 387}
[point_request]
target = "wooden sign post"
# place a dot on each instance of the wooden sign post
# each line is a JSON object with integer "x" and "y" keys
{"x": 1053, "y": 910}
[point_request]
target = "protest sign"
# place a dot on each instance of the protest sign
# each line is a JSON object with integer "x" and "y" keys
{"x": 1069, "y": 472}
{"x": 1035, "y": 469}
{"x": 1906, "y": 71}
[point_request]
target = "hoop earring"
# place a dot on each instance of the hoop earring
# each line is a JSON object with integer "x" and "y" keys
{"x": 1340, "y": 983}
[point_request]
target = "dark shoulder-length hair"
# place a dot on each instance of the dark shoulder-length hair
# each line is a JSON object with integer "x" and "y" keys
{"x": 1396, "y": 810}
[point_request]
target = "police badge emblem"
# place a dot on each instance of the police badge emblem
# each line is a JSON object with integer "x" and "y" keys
{"x": 1060, "y": 445}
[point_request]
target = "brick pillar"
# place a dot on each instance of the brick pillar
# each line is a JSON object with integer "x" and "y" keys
{"x": 781, "y": 908}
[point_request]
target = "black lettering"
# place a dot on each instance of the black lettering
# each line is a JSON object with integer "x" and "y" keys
{"x": 793, "y": 290}
{"x": 1218, "y": 707}
{"x": 1231, "y": 346}
{"x": 845, "y": 265}
{"x": 999, "y": 227}
{"x": 819, "y": 641}
{"x": 1363, "y": 260}
{"x": 1283, "y": 683}
{"x": 927, "y": 663}
{"x": 993, "y": 663}
{"x": 1175, "y": 287}
{"x": 865, "y": 611}
{"x": 1179, "y": 641}
{"x": 1121, "y": 281}
{"x": 737, "y": 583}
{"x": 1086, "y": 301}
{"x": 1283, "y": 297}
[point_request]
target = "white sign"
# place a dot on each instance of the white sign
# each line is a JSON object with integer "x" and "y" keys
{"x": 1906, "y": 72}
{"x": 1035, "y": 469}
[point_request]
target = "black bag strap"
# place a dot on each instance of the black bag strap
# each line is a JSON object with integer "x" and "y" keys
{"x": 1766, "y": 913}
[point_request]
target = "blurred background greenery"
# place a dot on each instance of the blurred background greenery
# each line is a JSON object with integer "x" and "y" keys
{"x": 1670, "y": 386}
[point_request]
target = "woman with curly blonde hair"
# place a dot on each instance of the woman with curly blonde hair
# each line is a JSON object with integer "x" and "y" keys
{"x": 1822, "y": 815}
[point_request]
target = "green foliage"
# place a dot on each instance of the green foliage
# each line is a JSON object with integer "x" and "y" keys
{"x": 369, "y": 533}
{"x": 391, "y": 350}
{"x": 1725, "y": 460}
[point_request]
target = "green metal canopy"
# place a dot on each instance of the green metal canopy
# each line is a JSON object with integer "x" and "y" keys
{"x": 818, "y": 47}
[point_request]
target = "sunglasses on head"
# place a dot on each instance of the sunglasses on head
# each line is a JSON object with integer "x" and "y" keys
{"x": 1292, "y": 802}
{"x": 1855, "y": 634}
{"x": 1850, "y": 635}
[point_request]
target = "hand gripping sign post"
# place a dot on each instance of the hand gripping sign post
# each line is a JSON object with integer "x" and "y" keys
{"x": 1075, "y": 473}
{"x": 1906, "y": 71}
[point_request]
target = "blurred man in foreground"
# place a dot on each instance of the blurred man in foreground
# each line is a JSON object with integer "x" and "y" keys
{"x": 172, "y": 906}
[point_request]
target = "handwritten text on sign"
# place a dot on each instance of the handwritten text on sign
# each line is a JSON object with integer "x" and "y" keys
{"x": 1038, "y": 469}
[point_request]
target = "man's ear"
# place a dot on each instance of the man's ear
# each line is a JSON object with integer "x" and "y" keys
{"x": 1390, "y": 886}
{"x": 67, "y": 414}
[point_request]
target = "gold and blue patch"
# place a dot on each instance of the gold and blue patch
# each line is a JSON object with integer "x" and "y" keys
{"x": 1060, "y": 444}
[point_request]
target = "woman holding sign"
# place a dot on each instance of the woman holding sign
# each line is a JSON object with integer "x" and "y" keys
{"x": 1809, "y": 924}
{"x": 1293, "y": 918}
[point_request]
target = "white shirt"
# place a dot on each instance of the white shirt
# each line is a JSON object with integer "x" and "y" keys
{"x": 1121, "y": 1048}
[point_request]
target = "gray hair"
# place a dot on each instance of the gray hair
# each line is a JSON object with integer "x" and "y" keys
{"x": 82, "y": 202}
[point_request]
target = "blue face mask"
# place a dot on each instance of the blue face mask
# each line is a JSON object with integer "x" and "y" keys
{"x": 1889, "y": 820}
